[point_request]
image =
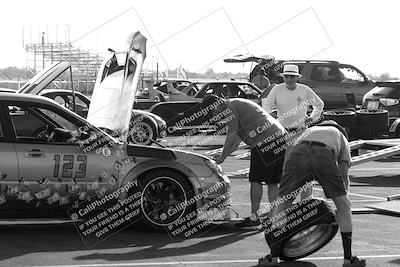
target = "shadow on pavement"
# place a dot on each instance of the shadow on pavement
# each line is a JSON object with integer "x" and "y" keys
{"x": 225, "y": 235}
{"x": 25, "y": 240}
{"x": 396, "y": 261}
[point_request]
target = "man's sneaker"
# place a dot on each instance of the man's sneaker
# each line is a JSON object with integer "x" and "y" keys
{"x": 355, "y": 262}
{"x": 248, "y": 222}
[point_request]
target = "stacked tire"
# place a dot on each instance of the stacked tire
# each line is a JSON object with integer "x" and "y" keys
{"x": 371, "y": 124}
{"x": 361, "y": 124}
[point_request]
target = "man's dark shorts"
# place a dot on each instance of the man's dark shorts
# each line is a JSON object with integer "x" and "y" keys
{"x": 307, "y": 162}
{"x": 266, "y": 163}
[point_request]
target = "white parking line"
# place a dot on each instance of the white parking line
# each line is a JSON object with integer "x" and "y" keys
{"x": 375, "y": 169}
{"x": 358, "y": 195}
{"x": 177, "y": 263}
{"x": 266, "y": 203}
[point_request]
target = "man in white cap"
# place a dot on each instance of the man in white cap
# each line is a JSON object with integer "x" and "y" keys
{"x": 291, "y": 101}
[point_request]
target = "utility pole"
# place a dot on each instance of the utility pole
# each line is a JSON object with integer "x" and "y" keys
{"x": 43, "y": 50}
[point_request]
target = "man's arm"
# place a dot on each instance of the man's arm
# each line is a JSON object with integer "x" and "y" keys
{"x": 344, "y": 160}
{"x": 344, "y": 171}
{"x": 269, "y": 103}
{"x": 231, "y": 143}
{"x": 232, "y": 140}
{"x": 317, "y": 104}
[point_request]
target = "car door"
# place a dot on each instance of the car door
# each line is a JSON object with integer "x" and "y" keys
{"x": 55, "y": 170}
{"x": 324, "y": 80}
{"x": 354, "y": 82}
{"x": 8, "y": 164}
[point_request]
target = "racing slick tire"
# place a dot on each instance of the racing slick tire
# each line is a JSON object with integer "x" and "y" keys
{"x": 370, "y": 124}
{"x": 162, "y": 191}
{"x": 142, "y": 133}
{"x": 378, "y": 118}
{"x": 345, "y": 118}
{"x": 311, "y": 225}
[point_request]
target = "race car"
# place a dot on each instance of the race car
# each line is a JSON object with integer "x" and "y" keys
{"x": 53, "y": 160}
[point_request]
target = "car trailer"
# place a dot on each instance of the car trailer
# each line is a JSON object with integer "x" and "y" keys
{"x": 365, "y": 151}
{"x": 381, "y": 148}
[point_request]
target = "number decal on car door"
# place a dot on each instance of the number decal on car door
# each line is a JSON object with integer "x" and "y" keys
{"x": 81, "y": 173}
{"x": 68, "y": 162}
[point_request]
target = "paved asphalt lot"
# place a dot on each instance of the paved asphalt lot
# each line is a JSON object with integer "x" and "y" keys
{"x": 376, "y": 236}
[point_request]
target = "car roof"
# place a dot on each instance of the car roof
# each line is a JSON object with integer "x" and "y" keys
{"x": 27, "y": 98}
{"x": 36, "y": 99}
{"x": 7, "y": 90}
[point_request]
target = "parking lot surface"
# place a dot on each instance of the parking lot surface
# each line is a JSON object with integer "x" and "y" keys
{"x": 375, "y": 237}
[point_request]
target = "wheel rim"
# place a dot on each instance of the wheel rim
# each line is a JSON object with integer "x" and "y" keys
{"x": 310, "y": 239}
{"x": 142, "y": 133}
{"x": 161, "y": 201}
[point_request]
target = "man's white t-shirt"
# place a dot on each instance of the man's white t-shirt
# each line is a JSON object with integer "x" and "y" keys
{"x": 292, "y": 105}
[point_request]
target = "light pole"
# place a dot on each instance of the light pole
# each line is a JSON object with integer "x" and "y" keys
{"x": 42, "y": 50}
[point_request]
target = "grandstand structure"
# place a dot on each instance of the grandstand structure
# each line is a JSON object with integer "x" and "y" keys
{"x": 50, "y": 44}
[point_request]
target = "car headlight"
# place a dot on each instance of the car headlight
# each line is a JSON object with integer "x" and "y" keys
{"x": 387, "y": 102}
{"x": 214, "y": 166}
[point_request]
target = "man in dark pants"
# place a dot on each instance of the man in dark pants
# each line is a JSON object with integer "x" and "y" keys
{"x": 323, "y": 152}
{"x": 248, "y": 122}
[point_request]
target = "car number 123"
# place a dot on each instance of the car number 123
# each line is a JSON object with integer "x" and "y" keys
{"x": 67, "y": 168}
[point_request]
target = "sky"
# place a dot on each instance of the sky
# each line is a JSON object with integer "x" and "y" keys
{"x": 198, "y": 35}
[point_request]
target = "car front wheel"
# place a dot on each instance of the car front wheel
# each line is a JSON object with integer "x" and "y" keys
{"x": 165, "y": 195}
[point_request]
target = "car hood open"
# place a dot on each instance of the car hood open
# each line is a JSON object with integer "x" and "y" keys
{"x": 43, "y": 78}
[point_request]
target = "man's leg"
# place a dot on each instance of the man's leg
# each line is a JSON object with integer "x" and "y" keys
{"x": 256, "y": 192}
{"x": 343, "y": 206}
{"x": 273, "y": 192}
